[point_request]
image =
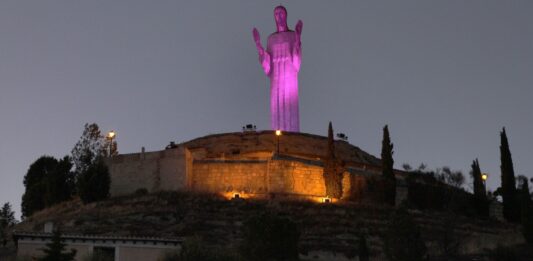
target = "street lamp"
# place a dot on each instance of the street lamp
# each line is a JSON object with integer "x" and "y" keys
{"x": 278, "y": 133}
{"x": 484, "y": 177}
{"x": 111, "y": 135}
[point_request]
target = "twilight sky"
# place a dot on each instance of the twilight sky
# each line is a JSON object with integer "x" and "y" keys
{"x": 445, "y": 75}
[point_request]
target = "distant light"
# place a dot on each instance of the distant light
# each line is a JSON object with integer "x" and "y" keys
{"x": 326, "y": 200}
{"x": 236, "y": 196}
{"x": 484, "y": 176}
{"x": 111, "y": 134}
{"x": 278, "y": 132}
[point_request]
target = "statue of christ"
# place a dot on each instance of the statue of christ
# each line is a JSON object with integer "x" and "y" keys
{"x": 281, "y": 63}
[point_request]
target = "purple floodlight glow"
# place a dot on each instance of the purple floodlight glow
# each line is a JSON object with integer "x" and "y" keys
{"x": 281, "y": 63}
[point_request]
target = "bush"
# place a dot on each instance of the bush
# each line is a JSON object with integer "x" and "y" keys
{"x": 93, "y": 184}
{"x": 426, "y": 193}
{"x": 502, "y": 254}
{"x": 270, "y": 237}
{"x": 402, "y": 241}
{"x": 194, "y": 249}
{"x": 140, "y": 192}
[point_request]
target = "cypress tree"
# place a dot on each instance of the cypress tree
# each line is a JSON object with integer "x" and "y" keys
{"x": 479, "y": 187}
{"x": 332, "y": 172}
{"x": 387, "y": 163}
{"x": 527, "y": 213}
{"x": 480, "y": 194}
{"x": 508, "y": 187}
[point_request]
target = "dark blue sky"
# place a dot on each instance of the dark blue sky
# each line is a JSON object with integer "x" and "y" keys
{"x": 445, "y": 76}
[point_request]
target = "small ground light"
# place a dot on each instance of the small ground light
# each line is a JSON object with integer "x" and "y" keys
{"x": 236, "y": 196}
{"x": 326, "y": 200}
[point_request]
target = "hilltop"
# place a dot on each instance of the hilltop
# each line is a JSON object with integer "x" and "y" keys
{"x": 326, "y": 229}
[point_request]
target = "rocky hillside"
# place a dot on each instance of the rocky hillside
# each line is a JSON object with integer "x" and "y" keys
{"x": 327, "y": 229}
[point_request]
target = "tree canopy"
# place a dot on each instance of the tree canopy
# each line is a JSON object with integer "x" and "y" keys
{"x": 47, "y": 182}
{"x": 55, "y": 250}
{"x": 7, "y": 220}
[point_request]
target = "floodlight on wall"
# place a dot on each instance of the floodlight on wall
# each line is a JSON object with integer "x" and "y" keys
{"x": 249, "y": 128}
{"x": 342, "y": 136}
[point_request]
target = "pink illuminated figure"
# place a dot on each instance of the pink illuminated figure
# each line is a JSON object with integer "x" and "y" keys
{"x": 281, "y": 63}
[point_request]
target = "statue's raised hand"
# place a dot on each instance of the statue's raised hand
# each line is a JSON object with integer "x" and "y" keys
{"x": 298, "y": 27}
{"x": 264, "y": 57}
{"x": 257, "y": 40}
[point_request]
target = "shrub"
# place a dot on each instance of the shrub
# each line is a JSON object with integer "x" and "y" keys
{"x": 363, "y": 249}
{"x": 268, "y": 236}
{"x": 140, "y": 192}
{"x": 93, "y": 184}
{"x": 194, "y": 249}
{"x": 402, "y": 240}
{"x": 502, "y": 254}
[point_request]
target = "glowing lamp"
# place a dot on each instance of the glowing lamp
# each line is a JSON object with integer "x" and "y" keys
{"x": 236, "y": 196}
{"x": 278, "y": 132}
{"x": 484, "y": 176}
{"x": 111, "y": 134}
{"x": 326, "y": 200}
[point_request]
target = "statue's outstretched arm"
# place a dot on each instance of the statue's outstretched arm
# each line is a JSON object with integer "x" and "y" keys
{"x": 264, "y": 57}
{"x": 297, "y": 49}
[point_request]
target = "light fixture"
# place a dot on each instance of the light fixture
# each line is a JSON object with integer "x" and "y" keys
{"x": 111, "y": 134}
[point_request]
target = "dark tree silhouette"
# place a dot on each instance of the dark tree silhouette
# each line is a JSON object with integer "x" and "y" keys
{"x": 270, "y": 237}
{"x": 479, "y": 187}
{"x": 7, "y": 221}
{"x": 47, "y": 182}
{"x": 332, "y": 169}
{"x": 55, "y": 250}
{"x": 364, "y": 254}
{"x": 527, "y": 211}
{"x": 511, "y": 210}
{"x": 387, "y": 163}
{"x": 91, "y": 146}
{"x": 480, "y": 193}
{"x": 93, "y": 183}
{"x": 402, "y": 239}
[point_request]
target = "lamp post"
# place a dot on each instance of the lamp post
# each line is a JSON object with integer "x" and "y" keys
{"x": 484, "y": 177}
{"x": 278, "y": 133}
{"x": 111, "y": 135}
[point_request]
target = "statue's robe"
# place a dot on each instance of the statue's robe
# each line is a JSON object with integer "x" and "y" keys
{"x": 284, "y": 67}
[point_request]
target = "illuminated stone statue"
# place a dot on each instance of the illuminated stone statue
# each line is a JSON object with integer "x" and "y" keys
{"x": 281, "y": 63}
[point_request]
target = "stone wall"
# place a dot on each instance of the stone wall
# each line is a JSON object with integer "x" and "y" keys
{"x": 153, "y": 171}
{"x": 249, "y": 176}
{"x": 298, "y": 144}
{"x": 244, "y": 162}
{"x": 294, "y": 177}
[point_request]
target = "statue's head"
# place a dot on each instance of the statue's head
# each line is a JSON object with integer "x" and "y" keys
{"x": 280, "y": 15}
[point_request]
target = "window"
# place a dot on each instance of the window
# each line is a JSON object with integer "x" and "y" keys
{"x": 104, "y": 253}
